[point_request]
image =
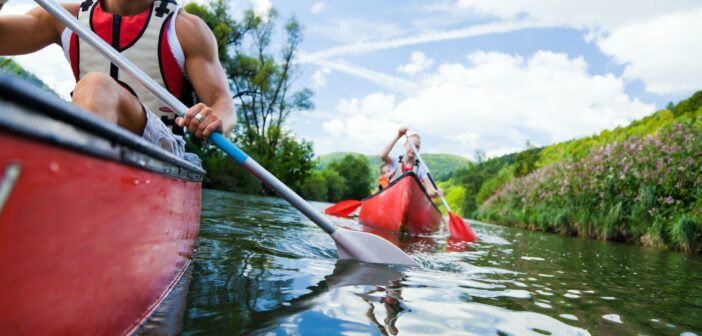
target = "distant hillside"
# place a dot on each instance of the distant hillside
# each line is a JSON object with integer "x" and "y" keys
{"x": 10, "y": 66}
{"x": 442, "y": 166}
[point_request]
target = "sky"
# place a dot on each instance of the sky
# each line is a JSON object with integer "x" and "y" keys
{"x": 472, "y": 74}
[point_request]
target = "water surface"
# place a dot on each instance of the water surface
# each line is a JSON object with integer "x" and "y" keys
{"x": 262, "y": 268}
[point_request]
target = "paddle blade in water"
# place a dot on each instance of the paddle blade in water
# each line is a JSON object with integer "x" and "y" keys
{"x": 460, "y": 230}
{"x": 369, "y": 248}
{"x": 343, "y": 208}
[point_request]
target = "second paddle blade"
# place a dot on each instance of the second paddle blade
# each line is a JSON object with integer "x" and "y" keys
{"x": 460, "y": 230}
{"x": 343, "y": 208}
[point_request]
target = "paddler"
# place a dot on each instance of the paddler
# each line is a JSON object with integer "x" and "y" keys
{"x": 408, "y": 162}
{"x": 174, "y": 48}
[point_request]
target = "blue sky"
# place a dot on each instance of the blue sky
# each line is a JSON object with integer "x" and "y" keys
{"x": 478, "y": 74}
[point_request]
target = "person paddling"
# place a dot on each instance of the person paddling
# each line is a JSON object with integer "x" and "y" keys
{"x": 408, "y": 162}
{"x": 176, "y": 49}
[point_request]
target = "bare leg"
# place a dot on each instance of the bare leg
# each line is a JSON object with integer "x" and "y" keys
{"x": 101, "y": 95}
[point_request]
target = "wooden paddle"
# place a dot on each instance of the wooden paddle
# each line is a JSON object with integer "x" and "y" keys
{"x": 360, "y": 246}
{"x": 460, "y": 230}
{"x": 343, "y": 208}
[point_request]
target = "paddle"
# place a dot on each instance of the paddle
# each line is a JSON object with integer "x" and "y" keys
{"x": 459, "y": 229}
{"x": 343, "y": 208}
{"x": 360, "y": 246}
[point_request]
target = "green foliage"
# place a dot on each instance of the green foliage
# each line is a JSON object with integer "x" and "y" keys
{"x": 490, "y": 186}
{"x": 358, "y": 178}
{"x": 315, "y": 187}
{"x": 324, "y": 185}
{"x": 645, "y": 190}
{"x": 262, "y": 83}
{"x": 454, "y": 194}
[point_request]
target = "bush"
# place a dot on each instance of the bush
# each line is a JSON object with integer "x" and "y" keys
{"x": 646, "y": 190}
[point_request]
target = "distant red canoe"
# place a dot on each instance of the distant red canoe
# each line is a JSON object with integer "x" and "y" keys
{"x": 402, "y": 207}
{"x": 96, "y": 225}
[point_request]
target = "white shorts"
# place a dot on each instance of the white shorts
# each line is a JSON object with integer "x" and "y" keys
{"x": 157, "y": 133}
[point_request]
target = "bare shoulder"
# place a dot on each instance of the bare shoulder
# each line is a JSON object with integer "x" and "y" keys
{"x": 193, "y": 33}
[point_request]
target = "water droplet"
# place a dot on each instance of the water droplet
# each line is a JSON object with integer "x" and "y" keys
{"x": 613, "y": 317}
{"x": 137, "y": 182}
{"x": 54, "y": 167}
{"x": 569, "y": 317}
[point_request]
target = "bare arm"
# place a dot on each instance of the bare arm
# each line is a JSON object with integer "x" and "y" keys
{"x": 23, "y": 34}
{"x": 207, "y": 76}
{"x": 385, "y": 154}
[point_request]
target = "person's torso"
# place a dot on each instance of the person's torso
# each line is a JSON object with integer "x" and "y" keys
{"x": 148, "y": 39}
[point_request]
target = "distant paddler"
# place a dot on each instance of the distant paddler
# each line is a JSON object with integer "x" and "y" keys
{"x": 409, "y": 162}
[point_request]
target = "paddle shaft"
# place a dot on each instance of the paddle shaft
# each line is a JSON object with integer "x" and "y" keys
{"x": 426, "y": 169}
{"x": 217, "y": 138}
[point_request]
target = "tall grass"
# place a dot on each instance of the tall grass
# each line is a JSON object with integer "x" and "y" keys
{"x": 645, "y": 190}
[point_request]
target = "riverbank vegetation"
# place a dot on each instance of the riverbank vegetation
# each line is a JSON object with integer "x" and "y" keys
{"x": 640, "y": 183}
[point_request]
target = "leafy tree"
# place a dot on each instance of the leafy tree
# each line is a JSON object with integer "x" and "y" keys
{"x": 263, "y": 94}
{"x": 336, "y": 185}
{"x": 315, "y": 187}
{"x": 354, "y": 170}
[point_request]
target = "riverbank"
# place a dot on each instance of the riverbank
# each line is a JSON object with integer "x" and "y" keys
{"x": 641, "y": 190}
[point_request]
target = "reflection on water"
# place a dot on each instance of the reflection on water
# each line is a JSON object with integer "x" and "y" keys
{"x": 261, "y": 268}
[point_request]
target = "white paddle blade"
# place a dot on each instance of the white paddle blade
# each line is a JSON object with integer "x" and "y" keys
{"x": 369, "y": 248}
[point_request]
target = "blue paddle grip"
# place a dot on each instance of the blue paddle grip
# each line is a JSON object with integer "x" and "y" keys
{"x": 232, "y": 150}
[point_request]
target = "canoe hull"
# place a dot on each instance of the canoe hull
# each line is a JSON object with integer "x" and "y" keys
{"x": 96, "y": 227}
{"x": 402, "y": 207}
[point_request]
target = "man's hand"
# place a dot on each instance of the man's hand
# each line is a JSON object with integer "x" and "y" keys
{"x": 201, "y": 121}
{"x": 401, "y": 132}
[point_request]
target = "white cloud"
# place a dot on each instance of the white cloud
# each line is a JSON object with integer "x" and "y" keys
{"x": 50, "y": 65}
{"x": 319, "y": 78}
{"x": 592, "y": 14}
{"x": 353, "y": 30}
{"x": 262, "y": 7}
{"x": 318, "y": 7}
{"x": 418, "y": 63}
{"x": 369, "y": 46}
{"x": 664, "y": 53}
{"x": 657, "y": 41}
{"x": 494, "y": 101}
{"x": 374, "y": 104}
{"x": 390, "y": 82}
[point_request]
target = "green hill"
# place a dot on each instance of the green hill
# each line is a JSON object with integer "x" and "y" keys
{"x": 442, "y": 166}
{"x": 10, "y": 66}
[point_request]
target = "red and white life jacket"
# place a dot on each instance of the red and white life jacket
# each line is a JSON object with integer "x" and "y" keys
{"x": 148, "y": 39}
{"x": 406, "y": 169}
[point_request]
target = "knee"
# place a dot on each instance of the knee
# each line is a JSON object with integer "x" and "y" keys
{"x": 93, "y": 84}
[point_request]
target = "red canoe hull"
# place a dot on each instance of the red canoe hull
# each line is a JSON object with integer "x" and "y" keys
{"x": 89, "y": 245}
{"x": 402, "y": 207}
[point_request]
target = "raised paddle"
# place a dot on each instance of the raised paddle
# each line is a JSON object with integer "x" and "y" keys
{"x": 343, "y": 208}
{"x": 460, "y": 230}
{"x": 360, "y": 246}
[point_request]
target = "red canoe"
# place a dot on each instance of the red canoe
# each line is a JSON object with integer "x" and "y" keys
{"x": 96, "y": 225}
{"x": 403, "y": 207}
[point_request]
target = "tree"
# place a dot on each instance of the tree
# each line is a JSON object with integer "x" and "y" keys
{"x": 262, "y": 87}
{"x": 336, "y": 185}
{"x": 354, "y": 170}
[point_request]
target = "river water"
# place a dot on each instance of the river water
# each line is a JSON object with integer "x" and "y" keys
{"x": 262, "y": 268}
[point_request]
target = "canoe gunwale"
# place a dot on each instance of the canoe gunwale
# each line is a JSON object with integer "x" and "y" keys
{"x": 397, "y": 180}
{"x": 31, "y": 112}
